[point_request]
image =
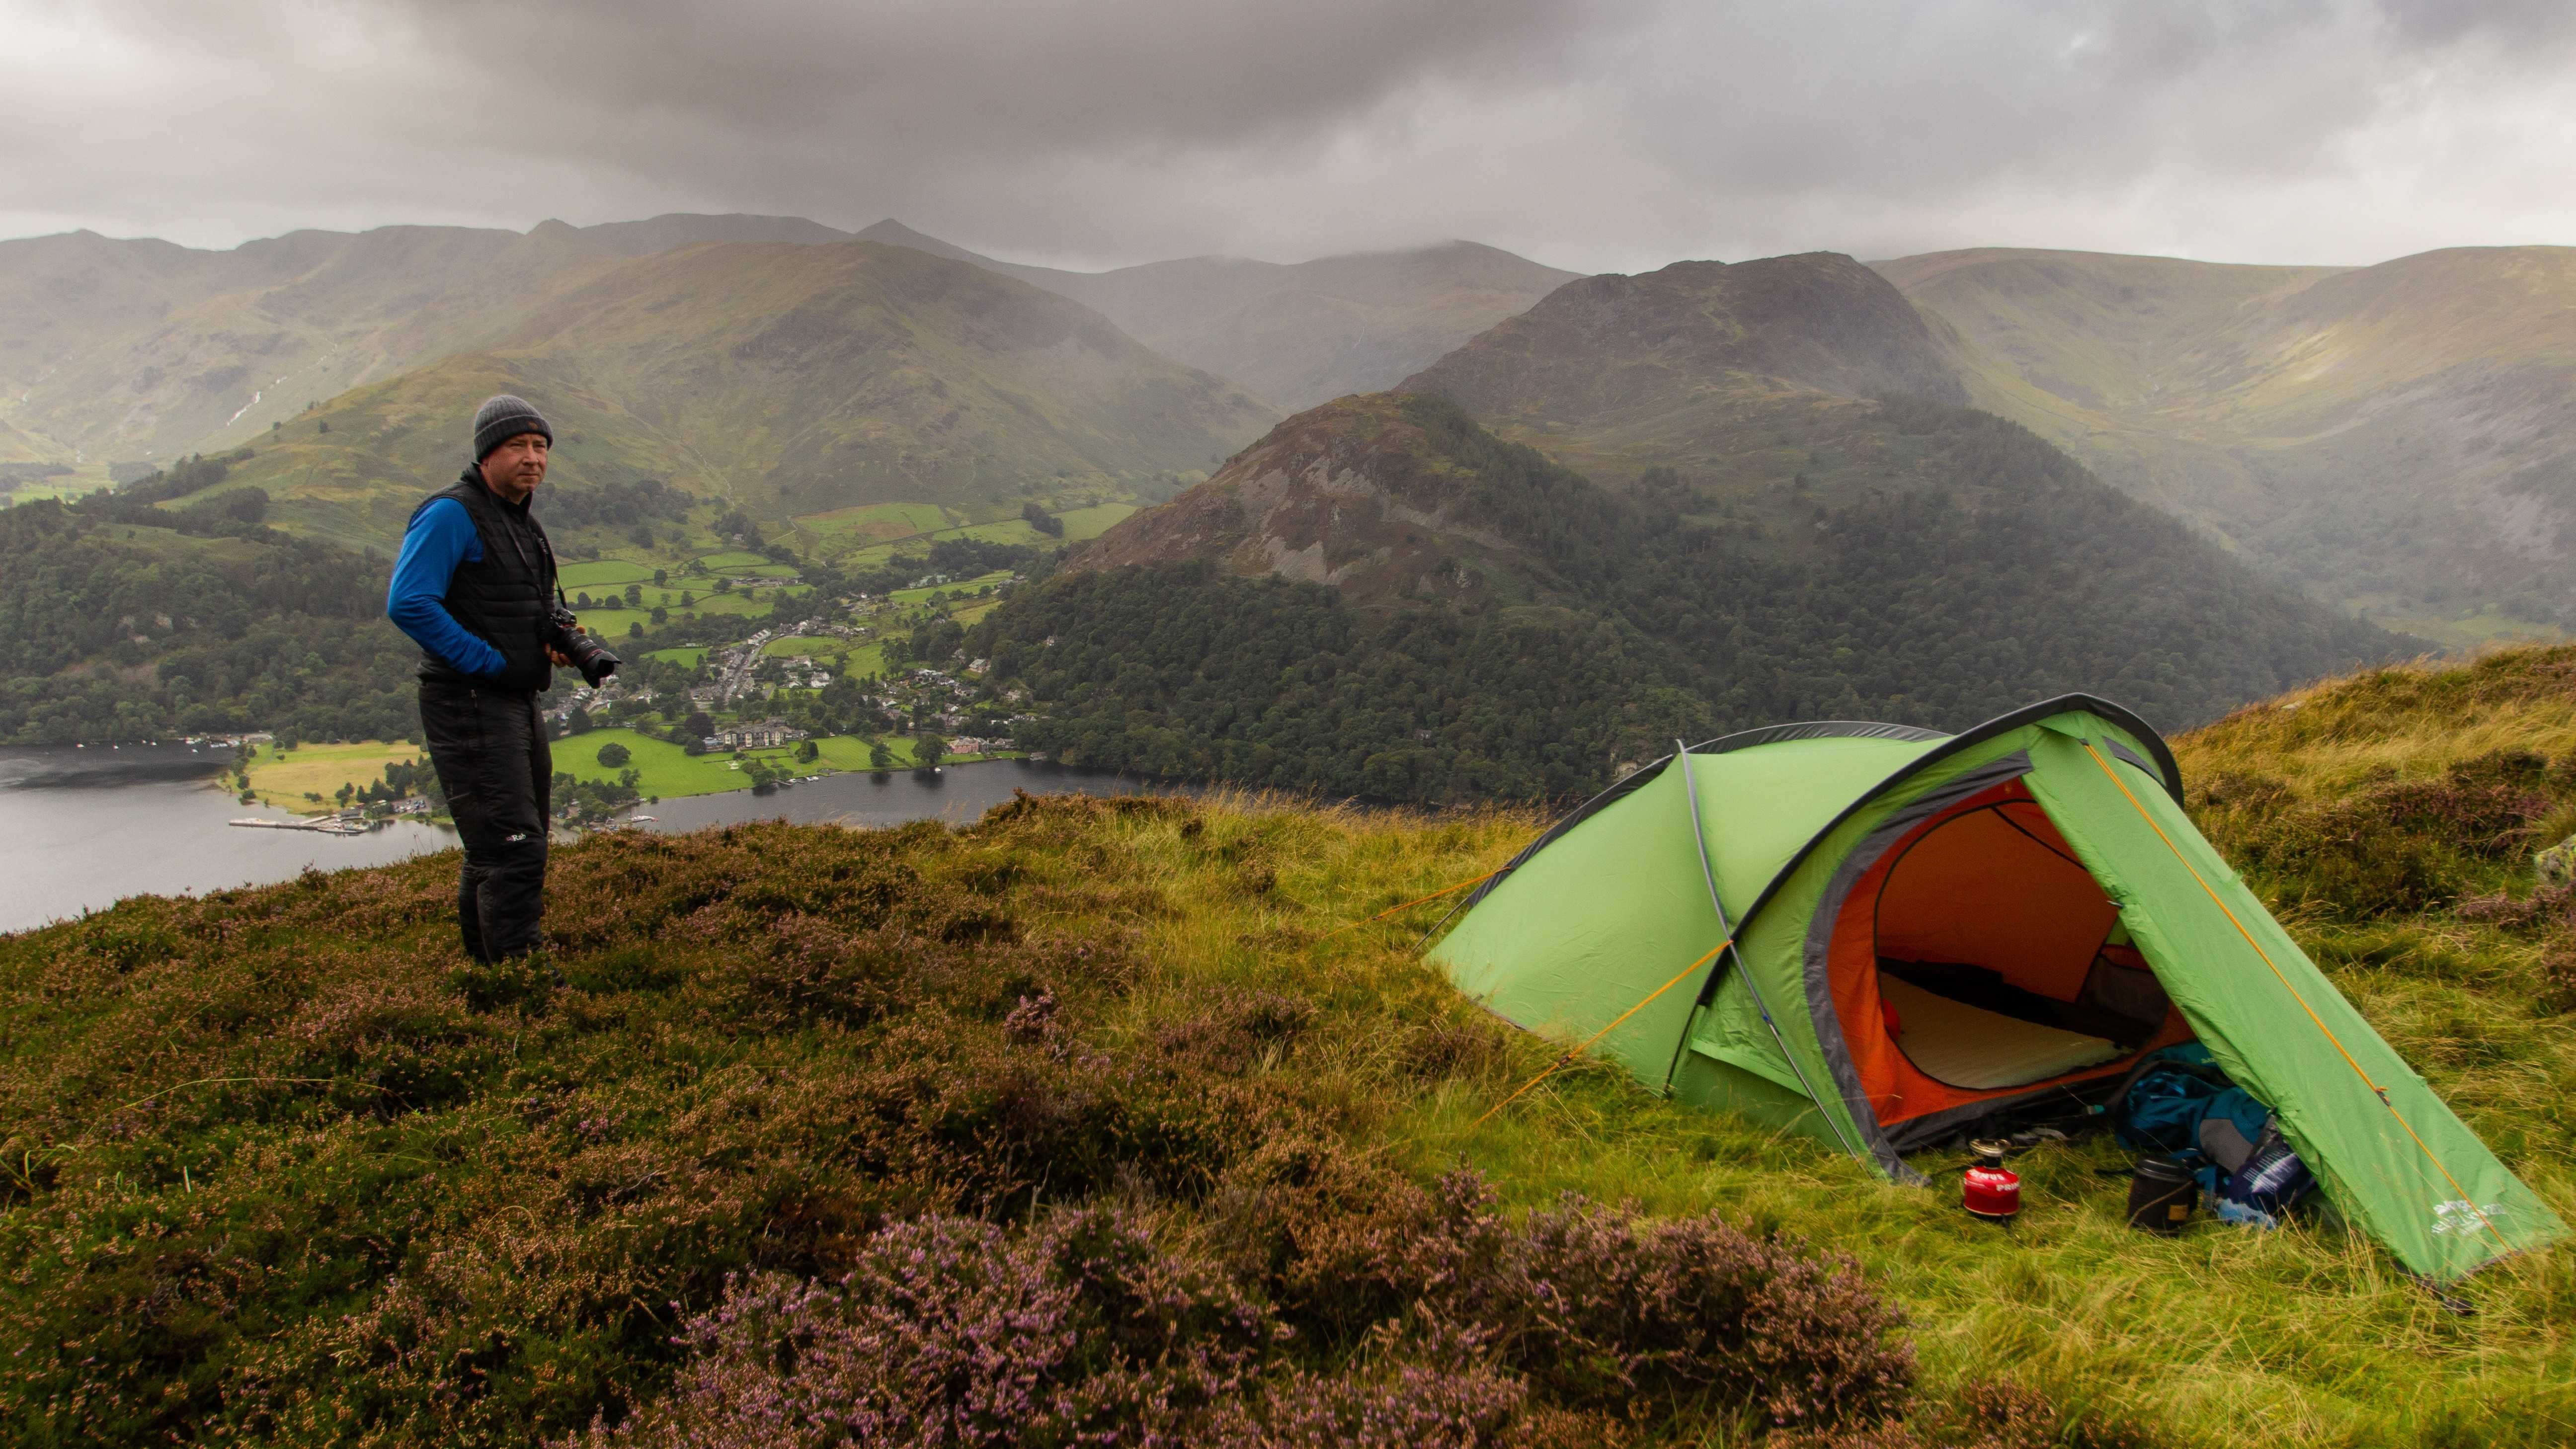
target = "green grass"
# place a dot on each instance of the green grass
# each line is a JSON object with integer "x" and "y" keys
{"x": 962, "y": 586}
{"x": 690, "y": 655}
{"x": 2220, "y": 1337}
{"x": 599, "y": 572}
{"x": 668, "y": 771}
{"x": 409, "y": 1152}
{"x": 734, "y": 561}
{"x": 818, "y": 646}
{"x": 849, "y": 752}
{"x": 1091, "y": 522}
{"x": 664, "y": 768}
{"x": 876, "y": 520}
{"x": 288, "y": 779}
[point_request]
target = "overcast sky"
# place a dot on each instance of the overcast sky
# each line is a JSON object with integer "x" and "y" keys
{"x": 1592, "y": 134}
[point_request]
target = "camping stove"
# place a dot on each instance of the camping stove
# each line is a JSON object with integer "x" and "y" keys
{"x": 1989, "y": 1189}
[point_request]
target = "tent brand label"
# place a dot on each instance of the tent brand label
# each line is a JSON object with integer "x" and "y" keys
{"x": 2457, "y": 1216}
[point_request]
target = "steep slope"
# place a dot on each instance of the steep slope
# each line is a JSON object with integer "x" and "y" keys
{"x": 788, "y": 379}
{"x": 1299, "y": 333}
{"x": 1448, "y": 582}
{"x": 1671, "y": 368}
{"x": 2397, "y": 435}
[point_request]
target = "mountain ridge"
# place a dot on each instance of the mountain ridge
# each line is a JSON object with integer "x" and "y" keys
{"x": 2395, "y": 435}
{"x": 1296, "y": 333}
{"x": 784, "y": 378}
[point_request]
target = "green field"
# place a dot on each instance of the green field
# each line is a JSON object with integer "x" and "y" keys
{"x": 598, "y": 572}
{"x": 818, "y": 646}
{"x": 1090, "y": 521}
{"x": 734, "y": 561}
{"x": 1099, "y": 518}
{"x": 966, "y": 586}
{"x": 691, "y": 655}
{"x": 666, "y": 771}
{"x": 874, "y": 523}
{"x": 289, "y": 779}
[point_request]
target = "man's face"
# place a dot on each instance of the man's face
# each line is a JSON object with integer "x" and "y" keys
{"x": 515, "y": 468}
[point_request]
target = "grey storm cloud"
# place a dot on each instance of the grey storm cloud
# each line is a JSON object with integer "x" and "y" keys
{"x": 1589, "y": 133}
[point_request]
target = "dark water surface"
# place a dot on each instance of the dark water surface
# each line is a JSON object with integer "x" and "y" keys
{"x": 83, "y": 828}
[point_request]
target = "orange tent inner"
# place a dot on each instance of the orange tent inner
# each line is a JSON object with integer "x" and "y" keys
{"x": 1987, "y": 884}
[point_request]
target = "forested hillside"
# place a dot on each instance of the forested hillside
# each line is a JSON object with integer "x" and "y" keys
{"x": 1543, "y": 630}
{"x": 119, "y": 621}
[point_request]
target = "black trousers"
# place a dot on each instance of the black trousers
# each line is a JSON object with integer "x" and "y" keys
{"x": 489, "y": 748}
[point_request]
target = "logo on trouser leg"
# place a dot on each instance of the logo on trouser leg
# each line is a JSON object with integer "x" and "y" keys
{"x": 514, "y": 839}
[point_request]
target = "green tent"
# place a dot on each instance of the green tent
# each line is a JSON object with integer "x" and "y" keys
{"x": 1934, "y": 933}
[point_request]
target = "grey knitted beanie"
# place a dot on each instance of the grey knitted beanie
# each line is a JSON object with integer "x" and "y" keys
{"x": 502, "y": 418}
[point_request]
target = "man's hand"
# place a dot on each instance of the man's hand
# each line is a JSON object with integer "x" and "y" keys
{"x": 561, "y": 659}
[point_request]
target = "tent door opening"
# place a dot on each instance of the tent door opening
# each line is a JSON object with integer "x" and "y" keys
{"x": 1989, "y": 963}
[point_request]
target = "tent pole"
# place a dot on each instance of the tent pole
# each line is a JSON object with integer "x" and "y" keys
{"x": 1708, "y": 872}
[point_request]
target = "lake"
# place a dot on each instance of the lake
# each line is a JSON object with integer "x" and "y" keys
{"x": 82, "y": 828}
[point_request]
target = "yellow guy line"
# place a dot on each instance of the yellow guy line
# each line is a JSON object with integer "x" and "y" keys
{"x": 1409, "y": 905}
{"x": 2376, "y": 1090}
{"x": 1578, "y": 1048}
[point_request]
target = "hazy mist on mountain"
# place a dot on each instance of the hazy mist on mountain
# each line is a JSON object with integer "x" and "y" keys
{"x": 2401, "y": 436}
{"x": 1297, "y": 333}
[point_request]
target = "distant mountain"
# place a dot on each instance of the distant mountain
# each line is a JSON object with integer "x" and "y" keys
{"x": 1671, "y": 368}
{"x": 2401, "y": 436}
{"x": 785, "y": 379}
{"x": 143, "y": 350}
{"x": 687, "y": 229}
{"x": 1296, "y": 334}
{"x": 1447, "y": 583}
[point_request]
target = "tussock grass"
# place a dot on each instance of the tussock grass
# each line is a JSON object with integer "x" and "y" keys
{"x": 280, "y": 1168}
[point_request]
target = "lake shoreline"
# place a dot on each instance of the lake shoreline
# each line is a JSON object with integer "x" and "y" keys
{"x": 76, "y": 838}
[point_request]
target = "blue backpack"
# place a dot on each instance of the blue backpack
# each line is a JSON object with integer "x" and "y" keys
{"x": 2178, "y": 1101}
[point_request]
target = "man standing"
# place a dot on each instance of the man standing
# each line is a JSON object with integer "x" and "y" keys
{"x": 473, "y": 588}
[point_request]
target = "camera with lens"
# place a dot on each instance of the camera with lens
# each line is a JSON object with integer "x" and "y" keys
{"x": 563, "y": 635}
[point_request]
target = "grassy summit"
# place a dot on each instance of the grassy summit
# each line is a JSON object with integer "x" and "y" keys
{"x": 816, "y": 1112}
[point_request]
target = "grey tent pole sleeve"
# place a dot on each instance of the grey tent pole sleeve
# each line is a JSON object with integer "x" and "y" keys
{"x": 1699, "y": 834}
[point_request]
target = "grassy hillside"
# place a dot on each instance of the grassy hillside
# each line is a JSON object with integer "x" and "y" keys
{"x": 784, "y": 379}
{"x": 154, "y": 351}
{"x": 282, "y": 1167}
{"x": 144, "y": 350}
{"x": 1295, "y": 334}
{"x": 2393, "y": 436}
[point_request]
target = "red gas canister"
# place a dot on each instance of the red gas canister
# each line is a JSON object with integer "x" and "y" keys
{"x": 1989, "y": 1189}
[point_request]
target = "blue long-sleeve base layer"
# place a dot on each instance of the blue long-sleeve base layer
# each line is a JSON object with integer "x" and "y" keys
{"x": 439, "y": 539}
